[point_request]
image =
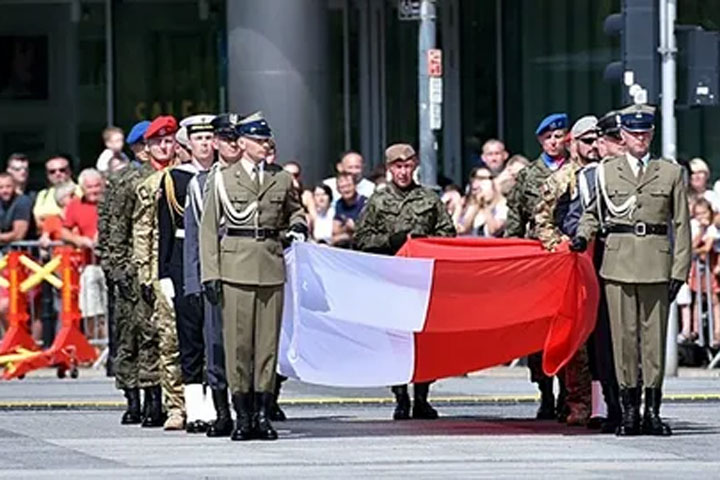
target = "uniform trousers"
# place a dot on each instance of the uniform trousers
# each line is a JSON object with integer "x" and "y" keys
{"x": 189, "y": 324}
{"x": 638, "y": 312}
{"x": 251, "y": 329}
{"x": 214, "y": 346}
{"x": 171, "y": 377}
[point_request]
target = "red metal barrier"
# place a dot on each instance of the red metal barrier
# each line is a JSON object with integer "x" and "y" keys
{"x": 18, "y": 333}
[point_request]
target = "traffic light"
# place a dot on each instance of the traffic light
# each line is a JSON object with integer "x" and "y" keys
{"x": 638, "y": 70}
{"x": 701, "y": 55}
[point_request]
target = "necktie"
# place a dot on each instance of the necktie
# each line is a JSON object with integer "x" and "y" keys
{"x": 641, "y": 169}
{"x": 256, "y": 177}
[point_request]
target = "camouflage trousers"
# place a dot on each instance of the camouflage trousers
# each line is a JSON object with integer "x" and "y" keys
{"x": 137, "y": 356}
{"x": 578, "y": 382}
{"x": 171, "y": 376}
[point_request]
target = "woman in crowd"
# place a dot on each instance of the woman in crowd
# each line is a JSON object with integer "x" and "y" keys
{"x": 485, "y": 208}
{"x": 321, "y": 214}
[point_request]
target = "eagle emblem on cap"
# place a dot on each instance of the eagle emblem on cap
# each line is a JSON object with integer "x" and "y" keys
{"x": 233, "y": 117}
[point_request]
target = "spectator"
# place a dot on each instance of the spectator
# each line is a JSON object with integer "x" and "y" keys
{"x": 494, "y": 156}
{"x": 506, "y": 179}
{"x": 351, "y": 163}
{"x": 347, "y": 210}
{"x": 698, "y": 187}
{"x": 18, "y": 166}
{"x": 52, "y": 224}
{"x": 14, "y": 210}
{"x": 57, "y": 169}
{"x": 453, "y": 201}
{"x": 295, "y": 171}
{"x": 114, "y": 140}
{"x": 486, "y": 209}
{"x": 322, "y": 216}
{"x": 378, "y": 176}
{"x": 117, "y": 163}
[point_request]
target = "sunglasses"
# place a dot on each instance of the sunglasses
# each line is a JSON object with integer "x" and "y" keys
{"x": 589, "y": 141}
{"x": 53, "y": 171}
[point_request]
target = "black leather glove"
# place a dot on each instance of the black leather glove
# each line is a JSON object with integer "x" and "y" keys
{"x": 673, "y": 288}
{"x": 213, "y": 291}
{"x": 578, "y": 244}
{"x": 397, "y": 240}
{"x": 148, "y": 294}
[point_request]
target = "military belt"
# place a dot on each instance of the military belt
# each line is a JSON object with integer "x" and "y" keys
{"x": 256, "y": 233}
{"x": 640, "y": 229}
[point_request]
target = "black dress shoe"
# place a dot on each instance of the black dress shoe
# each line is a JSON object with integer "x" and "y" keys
{"x": 596, "y": 423}
{"x": 222, "y": 426}
{"x": 197, "y": 426}
{"x": 132, "y": 413}
{"x": 263, "y": 428}
{"x": 652, "y": 424}
{"x": 243, "y": 422}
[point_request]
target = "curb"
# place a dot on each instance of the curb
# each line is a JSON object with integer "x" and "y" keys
{"x": 59, "y": 405}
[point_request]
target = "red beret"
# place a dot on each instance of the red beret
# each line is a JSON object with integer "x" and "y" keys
{"x": 161, "y": 126}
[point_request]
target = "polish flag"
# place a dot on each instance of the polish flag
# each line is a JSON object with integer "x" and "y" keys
{"x": 440, "y": 308}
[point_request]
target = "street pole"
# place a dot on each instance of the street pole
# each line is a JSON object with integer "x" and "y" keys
{"x": 428, "y": 142}
{"x": 668, "y": 14}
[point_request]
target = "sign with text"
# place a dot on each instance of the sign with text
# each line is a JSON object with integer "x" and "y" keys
{"x": 434, "y": 62}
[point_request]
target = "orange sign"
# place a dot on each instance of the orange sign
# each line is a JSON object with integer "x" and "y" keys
{"x": 434, "y": 61}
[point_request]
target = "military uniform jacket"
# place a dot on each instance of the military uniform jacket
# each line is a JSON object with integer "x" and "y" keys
{"x": 191, "y": 246}
{"x": 556, "y": 194}
{"x": 587, "y": 189}
{"x": 660, "y": 200}
{"x": 417, "y": 211}
{"x": 170, "y": 213}
{"x": 523, "y": 198}
{"x": 145, "y": 233}
{"x": 234, "y": 197}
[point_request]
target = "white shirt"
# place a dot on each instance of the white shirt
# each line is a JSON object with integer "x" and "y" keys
{"x": 249, "y": 167}
{"x": 323, "y": 225}
{"x": 364, "y": 188}
{"x": 635, "y": 162}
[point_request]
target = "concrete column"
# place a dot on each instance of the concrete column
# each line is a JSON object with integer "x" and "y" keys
{"x": 278, "y": 61}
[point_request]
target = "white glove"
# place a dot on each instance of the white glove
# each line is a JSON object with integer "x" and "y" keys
{"x": 295, "y": 236}
{"x": 167, "y": 288}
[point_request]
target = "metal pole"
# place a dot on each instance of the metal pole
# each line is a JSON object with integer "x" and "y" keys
{"x": 428, "y": 142}
{"x": 109, "y": 64}
{"x": 668, "y": 14}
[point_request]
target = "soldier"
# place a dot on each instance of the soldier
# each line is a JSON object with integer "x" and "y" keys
{"x": 225, "y": 142}
{"x": 137, "y": 363}
{"x": 160, "y": 138}
{"x": 643, "y": 270}
{"x": 244, "y": 269}
{"x": 556, "y": 195}
{"x": 403, "y": 209}
{"x": 520, "y": 223}
{"x": 171, "y": 229}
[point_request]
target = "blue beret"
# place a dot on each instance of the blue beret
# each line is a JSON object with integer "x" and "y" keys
{"x": 637, "y": 118}
{"x": 552, "y": 122}
{"x": 137, "y": 132}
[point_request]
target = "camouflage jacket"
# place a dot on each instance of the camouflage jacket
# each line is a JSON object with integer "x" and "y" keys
{"x": 556, "y": 194}
{"x": 145, "y": 233}
{"x": 417, "y": 211}
{"x": 523, "y": 198}
{"x": 119, "y": 207}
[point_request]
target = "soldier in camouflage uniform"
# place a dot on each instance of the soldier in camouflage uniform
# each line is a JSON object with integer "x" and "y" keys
{"x": 556, "y": 194}
{"x": 520, "y": 223}
{"x": 137, "y": 357}
{"x": 403, "y": 209}
{"x": 160, "y": 136}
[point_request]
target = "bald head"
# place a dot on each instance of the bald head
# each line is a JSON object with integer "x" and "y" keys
{"x": 352, "y": 163}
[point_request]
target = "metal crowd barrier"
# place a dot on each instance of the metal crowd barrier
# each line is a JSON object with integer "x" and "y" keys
{"x": 704, "y": 309}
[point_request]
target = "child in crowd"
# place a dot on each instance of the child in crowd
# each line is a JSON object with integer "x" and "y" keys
{"x": 114, "y": 140}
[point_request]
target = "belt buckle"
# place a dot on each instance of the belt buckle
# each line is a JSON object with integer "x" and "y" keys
{"x": 260, "y": 234}
{"x": 640, "y": 229}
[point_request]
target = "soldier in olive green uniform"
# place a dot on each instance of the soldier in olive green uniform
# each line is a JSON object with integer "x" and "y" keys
{"x": 643, "y": 270}
{"x": 160, "y": 137}
{"x": 137, "y": 363}
{"x": 244, "y": 271}
{"x": 520, "y": 223}
{"x": 403, "y": 209}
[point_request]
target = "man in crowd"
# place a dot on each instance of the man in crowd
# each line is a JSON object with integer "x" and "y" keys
{"x": 160, "y": 138}
{"x": 18, "y": 166}
{"x": 14, "y": 211}
{"x": 383, "y": 227}
{"x": 137, "y": 361}
{"x": 243, "y": 269}
{"x": 171, "y": 229}
{"x": 226, "y": 145}
{"x": 347, "y": 211}
{"x": 494, "y": 155}
{"x": 58, "y": 171}
{"x": 643, "y": 270}
{"x": 556, "y": 195}
{"x": 520, "y": 223}
{"x": 352, "y": 163}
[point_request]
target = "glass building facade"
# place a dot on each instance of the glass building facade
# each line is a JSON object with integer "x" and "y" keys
{"x": 347, "y": 69}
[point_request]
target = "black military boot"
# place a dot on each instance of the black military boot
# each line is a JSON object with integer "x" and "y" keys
{"x": 154, "y": 416}
{"x": 243, "y": 417}
{"x": 421, "y": 407}
{"x": 263, "y": 428}
{"x": 402, "y": 402}
{"x": 546, "y": 411}
{"x": 132, "y": 414}
{"x": 614, "y": 412}
{"x": 222, "y": 426}
{"x": 652, "y": 424}
{"x": 276, "y": 413}
{"x": 630, "y": 421}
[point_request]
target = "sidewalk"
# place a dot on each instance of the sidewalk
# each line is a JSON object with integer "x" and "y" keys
{"x": 93, "y": 390}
